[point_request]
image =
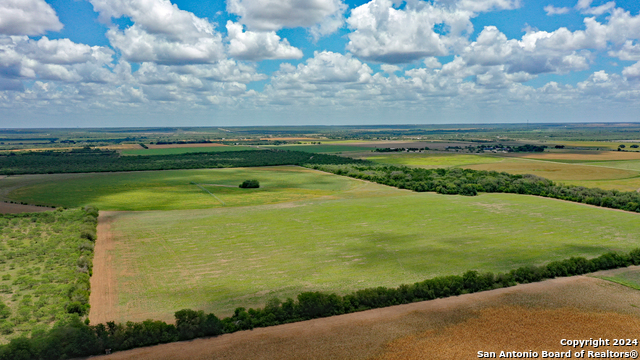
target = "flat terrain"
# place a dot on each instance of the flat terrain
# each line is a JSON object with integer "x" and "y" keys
{"x": 454, "y": 328}
{"x": 174, "y": 189}
{"x": 431, "y": 160}
{"x": 219, "y": 259}
{"x": 321, "y": 148}
{"x": 555, "y": 171}
{"x": 584, "y": 155}
{"x": 173, "y": 149}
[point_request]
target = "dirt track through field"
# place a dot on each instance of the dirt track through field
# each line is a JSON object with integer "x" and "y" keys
{"x": 104, "y": 292}
{"x": 413, "y": 330}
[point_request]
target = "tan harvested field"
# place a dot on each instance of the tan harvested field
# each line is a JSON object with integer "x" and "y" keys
{"x": 515, "y": 328}
{"x": 521, "y": 318}
{"x": 104, "y": 296}
{"x": 9, "y": 208}
{"x": 555, "y": 171}
{"x": 176, "y": 146}
{"x": 585, "y": 155}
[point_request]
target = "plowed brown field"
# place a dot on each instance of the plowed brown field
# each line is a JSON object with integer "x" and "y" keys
{"x": 525, "y": 317}
{"x": 9, "y": 208}
{"x": 104, "y": 295}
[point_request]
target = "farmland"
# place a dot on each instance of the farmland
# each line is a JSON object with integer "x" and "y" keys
{"x": 323, "y": 148}
{"x": 537, "y": 315}
{"x": 174, "y": 189}
{"x": 219, "y": 259}
{"x": 431, "y": 160}
{"x": 185, "y": 236}
{"x": 184, "y": 150}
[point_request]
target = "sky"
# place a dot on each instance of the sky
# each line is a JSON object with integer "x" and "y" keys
{"x": 139, "y": 63}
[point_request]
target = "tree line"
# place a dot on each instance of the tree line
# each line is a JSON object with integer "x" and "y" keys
{"x": 96, "y": 160}
{"x": 457, "y": 181}
{"x": 73, "y": 338}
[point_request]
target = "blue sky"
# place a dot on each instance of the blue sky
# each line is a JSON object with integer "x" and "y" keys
{"x": 68, "y": 63}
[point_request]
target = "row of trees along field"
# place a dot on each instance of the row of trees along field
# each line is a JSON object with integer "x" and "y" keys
{"x": 45, "y": 263}
{"x": 73, "y": 338}
{"x": 456, "y": 181}
{"x": 96, "y": 160}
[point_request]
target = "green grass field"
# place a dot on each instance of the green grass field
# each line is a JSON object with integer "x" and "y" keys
{"x": 173, "y": 189}
{"x": 431, "y": 160}
{"x": 219, "y": 259}
{"x": 185, "y": 150}
{"x": 630, "y": 278}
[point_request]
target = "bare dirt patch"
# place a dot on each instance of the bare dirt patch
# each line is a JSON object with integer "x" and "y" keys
{"x": 9, "y": 208}
{"x": 174, "y": 146}
{"x": 403, "y": 331}
{"x": 104, "y": 291}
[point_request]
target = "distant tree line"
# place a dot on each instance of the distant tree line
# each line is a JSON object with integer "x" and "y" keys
{"x": 400, "y": 149}
{"x": 73, "y": 338}
{"x": 457, "y": 181}
{"x": 95, "y": 160}
{"x": 507, "y": 148}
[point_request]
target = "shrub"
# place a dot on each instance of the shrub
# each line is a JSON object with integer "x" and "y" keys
{"x": 250, "y": 184}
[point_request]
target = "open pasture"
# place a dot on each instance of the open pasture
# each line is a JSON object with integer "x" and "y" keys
{"x": 579, "y": 307}
{"x": 178, "y": 149}
{"x": 555, "y": 171}
{"x": 174, "y": 189}
{"x": 610, "y": 145}
{"x": 430, "y": 160}
{"x": 219, "y": 259}
{"x": 581, "y": 156}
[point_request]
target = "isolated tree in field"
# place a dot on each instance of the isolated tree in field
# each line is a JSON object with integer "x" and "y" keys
{"x": 250, "y": 184}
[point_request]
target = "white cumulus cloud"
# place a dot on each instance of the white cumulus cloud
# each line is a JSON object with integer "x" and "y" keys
{"x": 161, "y": 32}
{"x": 322, "y": 17}
{"x": 256, "y": 46}
{"x": 383, "y": 33}
{"x": 27, "y": 17}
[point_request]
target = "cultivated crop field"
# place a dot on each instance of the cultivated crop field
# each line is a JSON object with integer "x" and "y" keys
{"x": 219, "y": 259}
{"x": 174, "y": 189}
{"x": 577, "y": 307}
{"x": 431, "y": 160}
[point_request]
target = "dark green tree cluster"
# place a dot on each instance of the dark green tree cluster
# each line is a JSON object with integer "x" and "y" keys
{"x": 87, "y": 160}
{"x": 456, "y": 181}
{"x": 250, "y": 184}
{"x": 528, "y": 148}
{"x": 73, "y": 338}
